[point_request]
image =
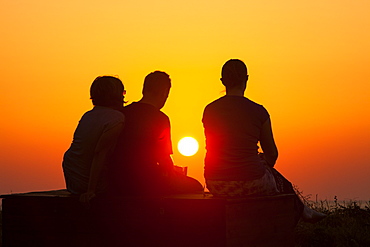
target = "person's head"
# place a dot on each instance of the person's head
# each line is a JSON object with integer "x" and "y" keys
{"x": 156, "y": 87}
{"x": 234, "y": 74}
{"x": 107, "y": 91}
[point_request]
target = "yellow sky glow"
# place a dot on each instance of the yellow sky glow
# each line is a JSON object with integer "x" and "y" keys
{"x": 308, "y": 63}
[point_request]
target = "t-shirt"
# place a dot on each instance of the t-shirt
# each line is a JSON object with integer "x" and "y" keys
{"x": 145, "y": 137}
{"x": 232, "y": 126}
{"x": 78, "y": 158}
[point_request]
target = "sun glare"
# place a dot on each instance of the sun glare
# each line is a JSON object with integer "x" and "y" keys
{"x": 188, "y": 146}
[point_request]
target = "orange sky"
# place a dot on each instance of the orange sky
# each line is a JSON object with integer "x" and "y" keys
{"x": 308, "y": 63}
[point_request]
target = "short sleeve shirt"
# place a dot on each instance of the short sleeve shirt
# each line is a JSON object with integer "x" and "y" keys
{"x": 145, "y": 138}
{"x": 232, "y": 126}
{"x": 78, "y": 158}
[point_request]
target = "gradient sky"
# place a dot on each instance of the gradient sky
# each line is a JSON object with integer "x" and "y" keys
{"x": 308, "y": 63}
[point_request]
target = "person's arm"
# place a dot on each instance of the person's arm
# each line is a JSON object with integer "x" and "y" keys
{"x": 164, "y": 146}
{"x": 166, "y": 163}
{"x": 268, "y": 144}
{"x": 104, "y": 147}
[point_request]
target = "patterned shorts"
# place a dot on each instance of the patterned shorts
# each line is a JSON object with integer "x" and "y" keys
{"x": 266, "y": 185}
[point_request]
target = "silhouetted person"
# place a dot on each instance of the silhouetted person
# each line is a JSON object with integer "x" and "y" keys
{"x": 142, "y": 162}
{"x": 234, "y": 125}
{"x": 94, "y": 139}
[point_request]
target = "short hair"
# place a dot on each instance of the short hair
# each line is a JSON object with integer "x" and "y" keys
{"x": 156, "y": 82}
{"x": 234, "y": 72}
{"x": 107, "y": 91}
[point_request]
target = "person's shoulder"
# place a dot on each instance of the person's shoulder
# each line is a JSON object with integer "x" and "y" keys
{"x": 216, "y": 102}
{"x": 163, "y": 115}
{"x": 130, "y": 108}
{"x": 113, "y": 115}
{"x": 249, "y": 101}
{"x": 88, "y": 112}
{"x": 258, "y": 107}
{"x": 109, "y": 110}
{"x": 91, "y": 113}
{"x": 106, "y": 112}
{"x": 230, "y": 100}
{"x": 101, "y": 114}
{"x": 118, "y": 113}
{"x": 139, "y": 108}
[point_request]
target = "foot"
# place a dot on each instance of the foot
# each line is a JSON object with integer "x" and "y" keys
{"x": 312, "y": 216}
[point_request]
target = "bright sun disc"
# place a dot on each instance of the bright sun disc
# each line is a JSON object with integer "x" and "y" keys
{"x": 188, "y": 146}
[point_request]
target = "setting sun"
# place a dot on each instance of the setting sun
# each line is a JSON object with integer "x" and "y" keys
{"x": 188, "y": 146}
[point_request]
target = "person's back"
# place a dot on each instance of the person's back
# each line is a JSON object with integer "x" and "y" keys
{"x": 147, "y": 131}
{"x": 232, "y": 127}
{"x": 78, "y": 158}
{"x": 144, "y": 139}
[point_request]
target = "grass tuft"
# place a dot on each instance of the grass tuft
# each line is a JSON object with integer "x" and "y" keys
{"x": 347, "y": 225}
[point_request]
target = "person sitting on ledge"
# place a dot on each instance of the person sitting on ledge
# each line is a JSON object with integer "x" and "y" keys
{"x": 233, "y": 126}
{"x": 94, "y": 139}
{"x": 142, "y": 163}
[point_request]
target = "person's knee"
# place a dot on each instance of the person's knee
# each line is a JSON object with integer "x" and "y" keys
{"x": 185, "y": 184}
{"x": 195, "y": 184}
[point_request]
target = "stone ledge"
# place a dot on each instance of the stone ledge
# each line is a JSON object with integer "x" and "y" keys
{"x": 56, "y": 218}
